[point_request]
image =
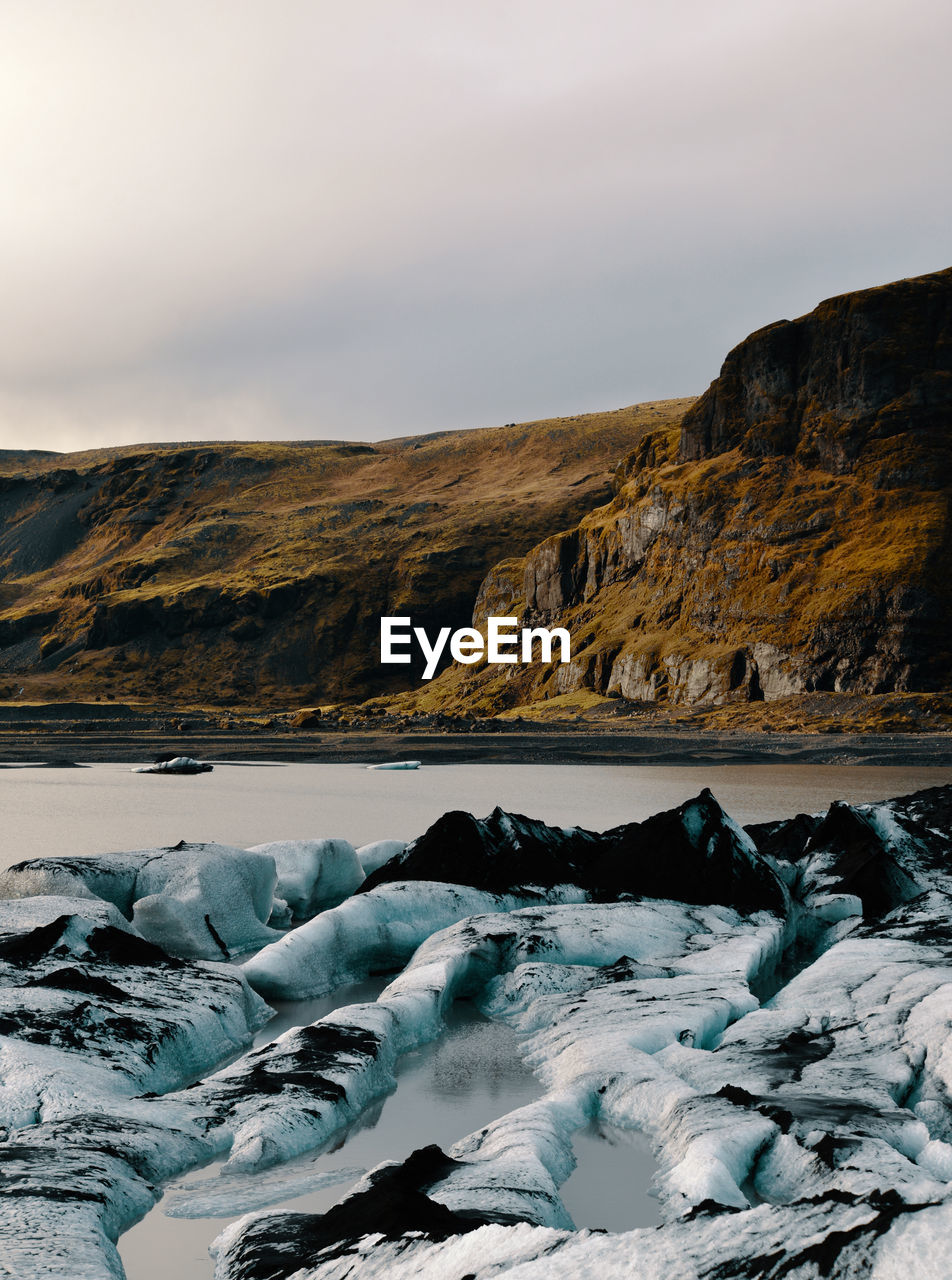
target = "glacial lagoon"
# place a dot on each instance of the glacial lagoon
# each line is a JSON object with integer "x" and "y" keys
{"x": 474, "y": 1073}
{"x": 105, "y": 807}
{"x": 444, "y": 1091}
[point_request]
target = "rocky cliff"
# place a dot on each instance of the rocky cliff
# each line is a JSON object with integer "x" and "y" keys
{"x": 257, "y": 573}
{"x": 792, "y": 535}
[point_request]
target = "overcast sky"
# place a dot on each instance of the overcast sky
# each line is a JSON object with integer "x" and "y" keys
{"x": 241, "y": 219}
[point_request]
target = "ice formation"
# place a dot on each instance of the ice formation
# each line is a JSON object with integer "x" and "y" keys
{"x": 313, "y": 874}
{"x": 177, "y": 765}
{"x": 787, "y": 1054}
{"x": 370, "y": 932}
{"x": 92, "y": 1016}
{"x": 372, "y": 856}
{"x": 196, "y": 900}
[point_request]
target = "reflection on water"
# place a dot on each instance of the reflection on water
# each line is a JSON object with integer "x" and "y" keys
{"x": 445, "y": 1091}
{"x": 609, "y": 1187}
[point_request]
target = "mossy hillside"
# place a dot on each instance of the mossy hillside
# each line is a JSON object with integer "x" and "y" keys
{"x": 259, "y": 571}
{"x": 773, "y": 553}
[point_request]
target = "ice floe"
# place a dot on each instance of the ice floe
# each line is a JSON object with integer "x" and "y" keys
{"x": 177, "y": 765}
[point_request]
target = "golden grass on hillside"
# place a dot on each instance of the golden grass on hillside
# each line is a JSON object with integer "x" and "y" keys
{"x": 260, "y": 570}
{"x": 751, "y": 551}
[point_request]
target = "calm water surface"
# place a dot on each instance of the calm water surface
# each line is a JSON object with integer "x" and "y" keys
{"x": 444, "y": 1091}
{"x": 610, "y": 1186}
{"x": 107, "y": 807}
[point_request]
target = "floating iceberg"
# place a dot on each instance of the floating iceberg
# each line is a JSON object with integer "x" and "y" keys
{"x": 178, "y": 764}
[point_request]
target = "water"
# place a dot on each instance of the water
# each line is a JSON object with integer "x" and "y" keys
{"x": 106, "y": 807}
{"x": 445, "y": 1090}
{"x": 610, "y": 1186}
{"x": 301, "y": 1013}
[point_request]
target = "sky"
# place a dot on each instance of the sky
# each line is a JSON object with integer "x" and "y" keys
{"x": 237, "y": 219}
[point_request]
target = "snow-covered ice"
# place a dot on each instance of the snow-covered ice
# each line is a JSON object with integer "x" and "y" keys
{"x": 201, "y": 900}
{"x": 374, "y": 855}
{"x": 369, "y": 933}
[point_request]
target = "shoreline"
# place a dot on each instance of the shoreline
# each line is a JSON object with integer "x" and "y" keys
{"x": 549, "y": 746}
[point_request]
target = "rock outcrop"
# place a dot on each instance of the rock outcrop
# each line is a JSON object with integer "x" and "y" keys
{"x": 865, "y": 375}
{"x": 793, "y": 536}
{"x": 693, "y": 853}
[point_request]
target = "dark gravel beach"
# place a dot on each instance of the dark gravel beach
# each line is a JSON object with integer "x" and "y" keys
{"x": 554, "y": 745}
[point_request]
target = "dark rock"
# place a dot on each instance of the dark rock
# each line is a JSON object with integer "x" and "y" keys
{"x": 394, "y": 1204}
{"x": 864, "y": 365}
{"x": 787, "y": 839}
{"x": 73, "y": 979}
{"x": 692, "y": 854}
{"x": 103, "y": 943}
{"x": 496, "y": 853}
{"x": 847, "y": 854}
{"x": 309, "y": 719}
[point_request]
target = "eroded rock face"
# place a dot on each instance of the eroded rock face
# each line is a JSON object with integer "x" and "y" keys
{"x": 221, "y": 573}
{"x": 793, "y": 537}
{"x": 862, "y": 367}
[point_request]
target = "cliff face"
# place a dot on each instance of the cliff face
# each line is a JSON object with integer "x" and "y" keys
{"x": 794, "y": 535}
{"x": 860, "y": 381}
{"x": 222, "y": 573}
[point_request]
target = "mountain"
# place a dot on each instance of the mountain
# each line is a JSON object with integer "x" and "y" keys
{"x": 213, "y": 573}
{"x": 786, "y": 535}
{"x": 791, "y": 535}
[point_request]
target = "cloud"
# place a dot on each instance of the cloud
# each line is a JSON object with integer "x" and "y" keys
{"x": 231, "y": 219}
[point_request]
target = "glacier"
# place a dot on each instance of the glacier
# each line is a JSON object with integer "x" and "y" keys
{"x": 769, "y": 1007}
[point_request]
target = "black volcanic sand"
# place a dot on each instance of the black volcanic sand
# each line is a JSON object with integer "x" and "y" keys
{"x": 95, "y": 742}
